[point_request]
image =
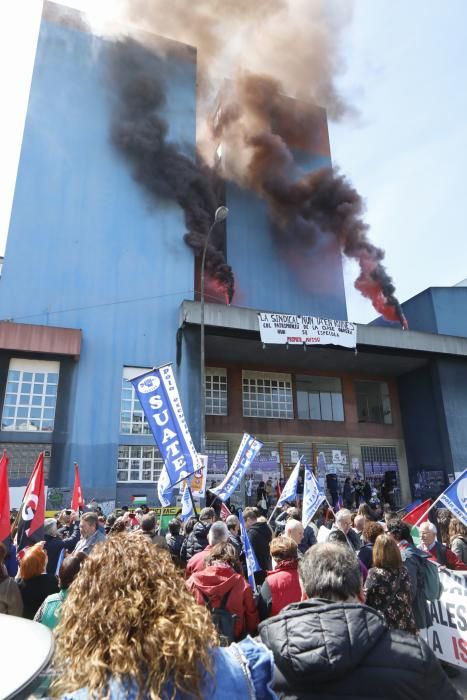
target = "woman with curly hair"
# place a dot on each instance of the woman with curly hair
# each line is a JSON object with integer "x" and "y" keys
{"x": 131, "y": 630}
{"x": 458, "y": 539}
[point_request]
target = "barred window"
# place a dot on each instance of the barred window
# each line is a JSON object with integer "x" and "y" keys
{"x": 216, "y": 391}
{"x": 139, "y": 463}
{"x": 267, "y": 395}
{"x": 31, "y": 395}
{"x": 132, "y": 419}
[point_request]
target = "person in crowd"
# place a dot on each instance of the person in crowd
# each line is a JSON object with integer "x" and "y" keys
{"x": 11, "y": 602}
{"x": 410, "y": 556}
{"x": 332, "y": 485}
{"x": 340, "y": 538}
{"x": 10, "y": 561}
{"x": 187, "y": 526}
{"x": 260, "y": 536}
{"x": 90, "y": 534}
{"x": 358, "y": 489}
{"x": 148, "y": 529}
{"x": 344, "y": 524}
{"x": 294, "y": 530}
{"x": 366, "y": 491}
{"x": 436, "y": 550}
{"x": 348, "y": 494}
{"x": 53, "y": 544}
{"x": 67, "y": 521}
{"x": 130, "y": 628}
{"x": 387, "y": 587}
{"x": 218, "y": 533}
{"x": 262, "y": 498}
{"x": 221, "y": 584}
{"x": 198, "y": 539}
{"x": 282, "y": 585}
{"x": 370, "y": 532}
{"x": 233, "y": 526}
{"x": 309, "y": 536}
{"x": 358, "y": 525}
{"x": 35, "y": 583}
{"x": 269, "y": 492}
{"x": 458, "y": 539}
{"x": 174, "y": 540}
{"x": 50, "y": 610}
{"x": 109, "y": 523}
{"x": 280, "y": 520}
{"x": 369, "y": 513}
{"x": 443, "y": 517}
{"x": 342, "y": 648}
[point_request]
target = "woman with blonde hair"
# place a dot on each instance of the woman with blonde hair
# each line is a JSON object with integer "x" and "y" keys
{"x": 35, "y": 583}
{"x": 387, "y": 586}
{"x": 458, "y": 539}
{"x": 131, "y": 630}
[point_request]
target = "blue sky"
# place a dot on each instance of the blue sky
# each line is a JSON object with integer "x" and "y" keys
{"x": 406, "y": 73}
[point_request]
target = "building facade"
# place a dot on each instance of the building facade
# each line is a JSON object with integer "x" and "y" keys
{"x": 88, "y": 254}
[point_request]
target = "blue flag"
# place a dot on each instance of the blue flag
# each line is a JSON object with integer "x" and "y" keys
{"x": 158, "y": 395}
{"x": 251, "y": 561}
{"x": 187, "y": 505}
{"x": 455, "y": 497}
{"x": 313, "y": 496}
{"x": 249, "y": 448}
{"x": 290, "y": 489}
{"x": 164, "y": 489}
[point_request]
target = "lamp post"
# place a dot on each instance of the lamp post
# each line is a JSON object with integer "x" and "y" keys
{"x": 220, "y": 215}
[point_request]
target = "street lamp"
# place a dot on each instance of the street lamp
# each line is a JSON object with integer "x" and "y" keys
{"x": 220, "y": 215}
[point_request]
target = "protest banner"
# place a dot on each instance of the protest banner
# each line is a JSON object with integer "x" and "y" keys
{"x": 447, "y": 636}
{"x": 249, "y": 448}
{"x": 158, "y": 394}
{"x": 306, "y": 330}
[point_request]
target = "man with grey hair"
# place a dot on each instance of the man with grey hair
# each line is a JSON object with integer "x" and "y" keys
{"x": 344, "y": 524}
{"x": 437, "y": 551}
{"x": 333, "y": 645}
{"x": 294, "y": 529}
{"x": 90, "y": 534}
{"x": 218, "y": 532}
{"x": 53, "y": 544}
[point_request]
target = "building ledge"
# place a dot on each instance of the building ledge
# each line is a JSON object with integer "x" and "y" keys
{"x": 45, "y": 340}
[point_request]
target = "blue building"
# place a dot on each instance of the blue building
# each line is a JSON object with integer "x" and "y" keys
{"x": 98, "y": 285}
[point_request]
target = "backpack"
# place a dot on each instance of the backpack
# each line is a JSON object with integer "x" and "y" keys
{"x": 223, "y": 619}
{"x": 431, "y": 584}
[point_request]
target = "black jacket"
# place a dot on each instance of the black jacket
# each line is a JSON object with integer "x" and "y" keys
{"x": 34, "y": 591}
{"x": 330, "y": 650}
{"x": 197, "y": 540}
{"x": 308, "y": 540}
{"x": 174, "y": 543}
{"x": 260, "y": 536}
{"x": 53, "y": 546}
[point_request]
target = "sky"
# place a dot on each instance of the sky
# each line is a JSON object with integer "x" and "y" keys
{"x": 405, "y": 151}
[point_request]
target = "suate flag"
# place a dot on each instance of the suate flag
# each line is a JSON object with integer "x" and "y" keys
{"x": 418, "y": 514}
{"x": 187, "y": 505}
{"x": 289, "y": 491}
{"x": 77, "y": 500}
{"x": 31, "y": 515}
{"x": 251, "y": 561}
{"x": 455, "y": 497}
{"x": 249, "y": 448}
{"x": 164, "y": 489}
{"x": 313, "y": 496}
{"x": 4, "y": 499}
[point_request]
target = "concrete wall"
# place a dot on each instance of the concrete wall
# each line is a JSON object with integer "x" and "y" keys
{"x": 86, "y": 249}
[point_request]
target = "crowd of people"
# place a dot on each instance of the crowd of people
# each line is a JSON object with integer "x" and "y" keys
{"x": 338, "y": 608}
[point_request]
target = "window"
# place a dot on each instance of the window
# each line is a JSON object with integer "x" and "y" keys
{"x": 132, "y": 420}
{"x": 31, "y": 395}
{"x": 138, "y": 463}
{"x": 319, "y": 398}
{"x": 267, "y": 395}
{"x": 216, "y": 391}
{"x": 373, "y": 402}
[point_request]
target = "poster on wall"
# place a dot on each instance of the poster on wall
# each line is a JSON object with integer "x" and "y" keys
{"x": 294, "y": 329}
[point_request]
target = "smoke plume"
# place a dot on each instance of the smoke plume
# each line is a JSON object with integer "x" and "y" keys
{"x": 140, "y": 132}
{"x": 267, "y": 50}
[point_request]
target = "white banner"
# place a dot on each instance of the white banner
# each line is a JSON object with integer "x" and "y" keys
{"x": 308, "y": 330}
{"x": 448, "y": 634}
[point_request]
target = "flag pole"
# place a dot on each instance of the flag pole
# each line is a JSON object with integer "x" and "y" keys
{"x": 192, "y": 502}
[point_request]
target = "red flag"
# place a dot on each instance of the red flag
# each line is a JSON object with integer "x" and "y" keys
{"x": 31, "y": 515}
{"x": 4, "y": 499}
{"x": 77, "y": 500}
{"x": 225, "y": 512}
{"x": 418, "y": 514}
